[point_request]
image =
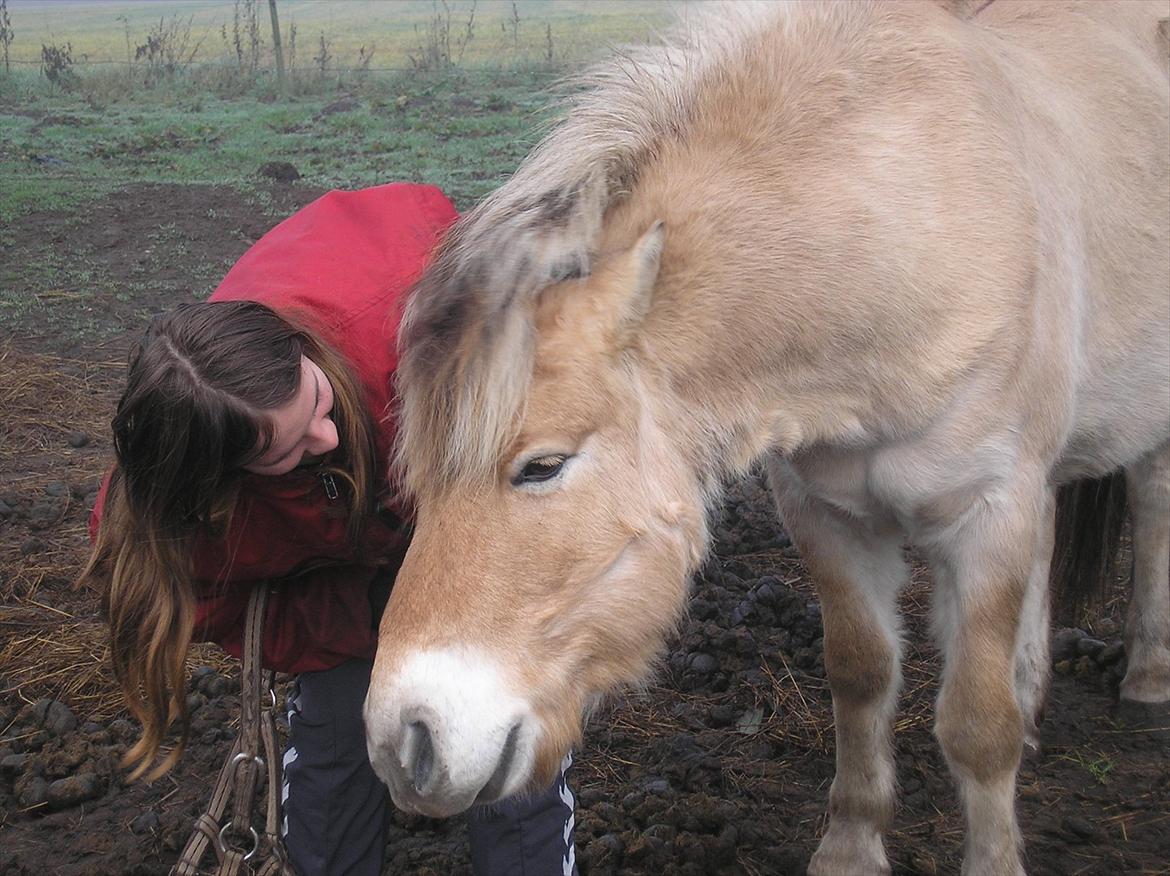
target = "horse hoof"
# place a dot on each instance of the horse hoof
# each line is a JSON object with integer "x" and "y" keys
{"x": 848, "y": 849}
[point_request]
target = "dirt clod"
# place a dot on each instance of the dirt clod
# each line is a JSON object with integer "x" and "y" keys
{"x": 59, "y": 719}
{"x": 281, "y": 171}
{"x": 32, "y": 791}
{"x": 71, "y": 791}
{"x": 13, "y": 764}
{"x": 31, "y": 546}
{"x": 147, "y": 822}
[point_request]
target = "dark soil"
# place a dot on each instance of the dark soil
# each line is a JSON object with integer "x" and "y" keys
{"x": 721, "y": 767}
{"x": 115, "y": 262}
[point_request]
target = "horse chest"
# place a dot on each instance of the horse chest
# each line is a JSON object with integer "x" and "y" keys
{"x": 914, "y": 487}
{"x": 839, "y": 479}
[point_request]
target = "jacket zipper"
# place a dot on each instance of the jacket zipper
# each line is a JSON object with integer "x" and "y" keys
{"x": 329, "y": 484}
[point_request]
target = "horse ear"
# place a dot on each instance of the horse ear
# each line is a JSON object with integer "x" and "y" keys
{"x": 639, "y": 276}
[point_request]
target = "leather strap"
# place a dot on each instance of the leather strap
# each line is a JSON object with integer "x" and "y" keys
{"x": 239, "y": 847}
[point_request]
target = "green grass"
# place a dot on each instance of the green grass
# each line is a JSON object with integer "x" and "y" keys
{"x": 464, "y": 127}
{"x": 20, "y": 194}
{"x": 1098, "y": 767}
{"x": 464, "y": 131}
{"x": 67, "y": 147}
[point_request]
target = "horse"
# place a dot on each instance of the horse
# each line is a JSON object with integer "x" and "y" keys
{"x": 913, "y": 258}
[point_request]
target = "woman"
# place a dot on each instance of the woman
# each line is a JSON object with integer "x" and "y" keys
{"x": 251, "y": 445}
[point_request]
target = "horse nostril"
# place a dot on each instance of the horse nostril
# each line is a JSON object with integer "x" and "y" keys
{"x": 494, "y": 789}
{"x": 420, "y": 755}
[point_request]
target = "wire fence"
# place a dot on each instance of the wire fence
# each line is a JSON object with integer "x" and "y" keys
{"x": 231, "y": 64}
{"x": 401, "y": 37}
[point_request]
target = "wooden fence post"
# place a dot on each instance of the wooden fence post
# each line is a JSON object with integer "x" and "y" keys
{"x": 277, "y": 47}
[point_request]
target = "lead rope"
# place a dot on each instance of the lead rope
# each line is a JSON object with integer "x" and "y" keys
{"x": 238, "y": 779}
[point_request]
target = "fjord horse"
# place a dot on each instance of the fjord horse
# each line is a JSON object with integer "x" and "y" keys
{"x": 918, "y": 263}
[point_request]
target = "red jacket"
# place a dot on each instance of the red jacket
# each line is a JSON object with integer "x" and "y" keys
{"x": 344, "y": 261}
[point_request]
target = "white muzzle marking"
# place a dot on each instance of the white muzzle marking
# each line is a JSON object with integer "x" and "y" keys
{"x": 446, "y": 731}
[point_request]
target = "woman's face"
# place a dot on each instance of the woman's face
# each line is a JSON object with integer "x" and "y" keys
{"x": 303, "y": 428}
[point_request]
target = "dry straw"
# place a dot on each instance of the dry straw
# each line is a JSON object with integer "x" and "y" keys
{"x": 52, "y": 640}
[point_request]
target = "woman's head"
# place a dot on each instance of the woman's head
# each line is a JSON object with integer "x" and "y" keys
{"x": 302, "y": 429}
{"x": 215, "y": 391}
{"x": 209, "y": 388}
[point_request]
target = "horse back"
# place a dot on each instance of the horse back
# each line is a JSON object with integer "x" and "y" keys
{"x": 974, "y": 209}
{"x": 1095, "y": 96}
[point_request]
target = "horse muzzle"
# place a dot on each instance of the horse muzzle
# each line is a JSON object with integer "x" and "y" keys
{"x": 445, "y": 733}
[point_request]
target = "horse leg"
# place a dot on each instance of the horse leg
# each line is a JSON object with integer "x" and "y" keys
{"x": 858, "y": 572}
{"x": 1147, "y": 622}
{"x": 1033, "y": 660}
{"x": 984, "y": 562}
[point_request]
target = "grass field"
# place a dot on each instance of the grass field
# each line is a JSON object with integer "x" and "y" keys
{"x": 68, "y": 147}
{"x": 462, "y": 124}
{"x": 462, "y": 130}
{"x": 504, "y": 33}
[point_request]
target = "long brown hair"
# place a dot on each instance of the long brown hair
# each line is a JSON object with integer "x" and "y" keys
{"x": 193, "y": 414}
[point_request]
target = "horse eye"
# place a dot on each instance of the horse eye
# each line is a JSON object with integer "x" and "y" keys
{"x": 543, "y": 468}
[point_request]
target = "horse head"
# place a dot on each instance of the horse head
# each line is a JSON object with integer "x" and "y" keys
{"x": 548, "y": 566}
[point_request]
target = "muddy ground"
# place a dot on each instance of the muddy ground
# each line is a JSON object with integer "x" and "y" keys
{"x": 722, "y": 766}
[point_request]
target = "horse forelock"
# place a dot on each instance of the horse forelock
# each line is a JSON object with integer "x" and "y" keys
{"x": 466, "y": 343}
{"x": 466, "y": 349}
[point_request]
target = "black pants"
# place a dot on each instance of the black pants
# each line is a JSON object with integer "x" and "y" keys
{"x": 336, "y": 809}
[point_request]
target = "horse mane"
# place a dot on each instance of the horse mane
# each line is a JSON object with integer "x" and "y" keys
{"x": 466, "y": 341}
